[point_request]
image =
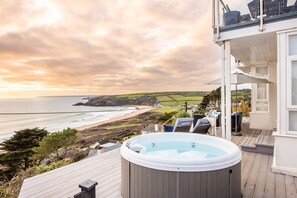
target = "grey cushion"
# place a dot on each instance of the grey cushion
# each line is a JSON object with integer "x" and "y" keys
{"x": 202, "y": 121}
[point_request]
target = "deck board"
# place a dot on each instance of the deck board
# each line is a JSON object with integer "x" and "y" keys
{"x": 280, "y": 188}
{"x": 257, "y": 178}
{"x": 104, "y": 169}
{"x": 249, "y": 186}
{"x": 270, "y": 181}
{"x": 260, "y": 183}
{"x": 290, "y": 186}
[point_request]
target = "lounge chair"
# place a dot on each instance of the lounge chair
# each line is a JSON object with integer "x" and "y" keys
{"x": 197, "y": 117}
{"x": 202, "y": 126}
{"x": 183, "y": 125}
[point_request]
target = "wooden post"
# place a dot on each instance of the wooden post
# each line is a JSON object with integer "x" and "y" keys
{"x": 88, "y": 190}
{"x": 186, "y": 106}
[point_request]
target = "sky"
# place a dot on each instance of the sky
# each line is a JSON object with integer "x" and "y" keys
{"x": 78, "y": 47}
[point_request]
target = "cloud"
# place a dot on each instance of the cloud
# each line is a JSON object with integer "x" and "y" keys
{"x": 105, "y": 47}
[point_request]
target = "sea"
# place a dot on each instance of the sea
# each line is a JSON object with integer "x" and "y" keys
{"x": 54, "y": 113}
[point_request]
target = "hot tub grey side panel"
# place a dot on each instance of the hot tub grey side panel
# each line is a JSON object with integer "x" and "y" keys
{"x": 125, "y": 177}
{"x": 235, "y": 181}
{"x": 144, "y": 182}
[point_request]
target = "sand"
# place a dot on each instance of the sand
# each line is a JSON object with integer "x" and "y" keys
{"x": 140, "y": 110}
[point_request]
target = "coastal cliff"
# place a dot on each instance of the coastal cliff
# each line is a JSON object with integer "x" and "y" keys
{"x": 119, "y": 101}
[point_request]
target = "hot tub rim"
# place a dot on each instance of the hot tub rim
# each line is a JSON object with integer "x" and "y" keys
{"x": 183, "y": 165}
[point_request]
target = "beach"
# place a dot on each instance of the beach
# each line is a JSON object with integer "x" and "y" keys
{"x": 58, "y": 113}
{"x": 139, "y": 110}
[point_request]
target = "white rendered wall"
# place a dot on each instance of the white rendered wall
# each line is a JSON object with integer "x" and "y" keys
{"x": 285, "y": 160}
{"x": 266, "y": 120}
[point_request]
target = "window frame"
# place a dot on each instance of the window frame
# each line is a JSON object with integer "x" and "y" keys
{"x": 256, "y": 90}
{"x": 290, "y": 107}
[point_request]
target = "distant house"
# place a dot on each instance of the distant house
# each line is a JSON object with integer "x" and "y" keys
{"x": 103, "y": 146}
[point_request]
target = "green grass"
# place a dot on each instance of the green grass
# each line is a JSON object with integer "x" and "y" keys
{"x": 177, "y": 97}
{"x": 166, "y": 110}
{"x": 169, "y": 103}
{"x": 171, "y": 99}
{"x": 191, "y": 102}
{"x": 163, "y": 98}
{"x": 194, "y": 98}
{"x": 130, "y": 96}
{"x": 181, "y": 97}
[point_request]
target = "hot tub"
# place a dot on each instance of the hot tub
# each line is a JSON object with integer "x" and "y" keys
{"x": 180, "y": 165}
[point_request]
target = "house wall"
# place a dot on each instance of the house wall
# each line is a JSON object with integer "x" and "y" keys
{"x": 266, "y": 120}
{"x": 285, "y": 147}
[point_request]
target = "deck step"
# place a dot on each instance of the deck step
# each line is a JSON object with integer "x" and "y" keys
{"x": 264, "y": 143}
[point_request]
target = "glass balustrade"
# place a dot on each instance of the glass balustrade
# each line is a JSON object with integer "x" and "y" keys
{"x": 230, "y": 14}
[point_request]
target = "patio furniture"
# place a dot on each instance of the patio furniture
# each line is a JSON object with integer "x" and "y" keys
{"x": 218, "y": 123}
{"x": 245, "y": 17}
{"x": 202, "y": 126}
{"x": 168, "y": 128}
{"x": 197, "y": 117}
{"x": 183, "y": 124}
{"x": 271, "y": 7}
{"x": 232, "y": 17}
{"x": 289, "y": 9}
{"x": 236, "y": 120}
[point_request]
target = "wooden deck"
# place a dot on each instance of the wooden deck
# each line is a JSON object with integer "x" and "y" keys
{"x": 264, "y": 143}
{"x": 257, "y": 178}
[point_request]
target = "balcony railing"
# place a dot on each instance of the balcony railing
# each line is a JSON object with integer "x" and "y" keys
{"x": 228, "y": 15}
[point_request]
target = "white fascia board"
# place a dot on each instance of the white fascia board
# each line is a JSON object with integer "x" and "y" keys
{"x": 278, "y": 26}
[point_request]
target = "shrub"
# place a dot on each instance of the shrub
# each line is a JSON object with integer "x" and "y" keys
{"x": 4, "y": 192}
{"x": 242, "y": 107}
{"x": 166, "y": 117}
{"x": 181, "y": 114}
{"x": 55, "y": 144}
{"x": 11, "y": 188}
{"x": 18, "y": 150}
{"x": 79, "y": 156}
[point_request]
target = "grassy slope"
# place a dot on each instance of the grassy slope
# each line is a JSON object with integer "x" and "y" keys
{"x": 171, "y": 98}
{"x": 241, "y": 94}
{"x": 174, "y": 99}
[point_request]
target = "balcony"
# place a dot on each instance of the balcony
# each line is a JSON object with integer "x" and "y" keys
{"x": 256, "y": 14}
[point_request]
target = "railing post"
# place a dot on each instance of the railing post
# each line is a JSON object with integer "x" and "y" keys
{"x": 217, "y": 16}
{"x": 213, "y": 13}
{"x": 223, "y": 116}
{"x": 88, "y": 190}
{"x": 261, "y": 28}
{"x": 228, "y": 89}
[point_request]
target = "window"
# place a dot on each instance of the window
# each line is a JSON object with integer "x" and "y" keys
{"x": 262, "y": 72}
{"x": 292, "y": 121}
{"x": 262, "y": 102}
{"x": 292, "y": 83}
{"x": 293, "y": 44}
{"x": 261, "y": 92}
{"x": 262, "y": 106}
